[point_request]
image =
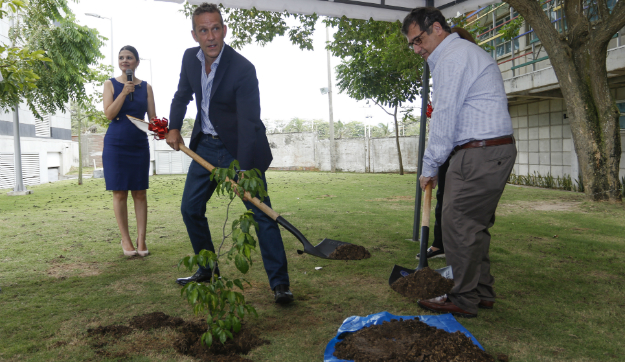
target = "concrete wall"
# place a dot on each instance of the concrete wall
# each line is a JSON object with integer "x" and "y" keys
{"x": 303, "y": 151}
{"x": 293, "y": 150}
{"x": 544, "y": 139}
{"x": 92, "y": 147}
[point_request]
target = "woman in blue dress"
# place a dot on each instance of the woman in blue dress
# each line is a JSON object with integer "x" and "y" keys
{"x": 126, "y": 154}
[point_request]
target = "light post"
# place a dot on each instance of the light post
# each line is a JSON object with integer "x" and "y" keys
{"x": 112, "y": 51}
{"x": 149, "y": 60}
{"x": 329, "y": 90}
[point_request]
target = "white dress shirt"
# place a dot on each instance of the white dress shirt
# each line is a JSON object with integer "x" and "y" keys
{"x": 469, "y": 100}
{"x": 207, "y": 86}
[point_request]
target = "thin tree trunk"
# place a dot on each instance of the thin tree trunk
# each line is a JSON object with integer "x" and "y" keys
{"x": 401, "y": 165}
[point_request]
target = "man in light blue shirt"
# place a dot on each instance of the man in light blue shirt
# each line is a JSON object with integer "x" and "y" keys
{"x": 471, "y": 122}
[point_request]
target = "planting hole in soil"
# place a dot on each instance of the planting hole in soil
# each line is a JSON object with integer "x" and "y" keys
{"x": 350, "y": 252}
{"x": 410, "y": 340}
{"x": 186, "y": 340}
{"x": 423, "y": 284}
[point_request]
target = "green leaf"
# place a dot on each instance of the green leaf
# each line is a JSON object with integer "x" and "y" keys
{"x": 207, "y": 339}
{"x": 241, "y": 263}
{"x": 236, "y": 325}
{"x": 238, "y": 283}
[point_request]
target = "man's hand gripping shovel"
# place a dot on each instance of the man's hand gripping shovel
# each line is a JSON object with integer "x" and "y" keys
{"x": 158, "y": 128}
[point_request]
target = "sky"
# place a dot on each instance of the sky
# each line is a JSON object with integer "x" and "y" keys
{"x": 289, "y": 78}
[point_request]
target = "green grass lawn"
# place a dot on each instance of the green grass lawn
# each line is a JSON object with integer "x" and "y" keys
{"x": 558, "y": 260}
{"x": 85, "y": 170}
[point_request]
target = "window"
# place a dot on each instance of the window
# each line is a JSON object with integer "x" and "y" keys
{"x": 42, "y": 126}
{"x": 621, "y": 119}
{"x": 504, "y": 47}
{"x": 500, "y": 46}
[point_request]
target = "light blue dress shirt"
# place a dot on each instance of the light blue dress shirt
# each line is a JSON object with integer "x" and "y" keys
{"x": 469, "y": 100}
{"x": 207, "y": 86}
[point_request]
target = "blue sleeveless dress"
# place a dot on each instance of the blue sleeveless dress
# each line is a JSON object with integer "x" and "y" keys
{"x": 126, "y": 154}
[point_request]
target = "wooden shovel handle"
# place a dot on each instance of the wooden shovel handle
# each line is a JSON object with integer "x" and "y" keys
{"x": 427, "y": 203}
{"x": 254, "y": 200}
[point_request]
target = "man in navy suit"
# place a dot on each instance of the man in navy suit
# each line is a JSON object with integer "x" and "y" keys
{"x": 227, "y": 127}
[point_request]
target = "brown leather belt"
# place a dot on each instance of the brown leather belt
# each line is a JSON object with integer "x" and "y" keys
{"x": 486, "y": 143}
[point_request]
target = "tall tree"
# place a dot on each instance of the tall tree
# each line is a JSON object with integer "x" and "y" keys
{"x": 578, "y": 55}
{"x": 65, "y": 56}
{"x": 376, "y": 65}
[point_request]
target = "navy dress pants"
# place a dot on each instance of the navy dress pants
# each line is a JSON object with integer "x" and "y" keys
{"x": 198, "y": 190}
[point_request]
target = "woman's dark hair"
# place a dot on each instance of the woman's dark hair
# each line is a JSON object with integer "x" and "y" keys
{"x": 463, "y": 33}
{"x": 131, "y": 49}
{"x": 424, "y": 17}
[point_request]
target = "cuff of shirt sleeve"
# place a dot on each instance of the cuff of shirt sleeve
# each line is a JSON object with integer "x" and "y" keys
{"x": 429, "y": 171}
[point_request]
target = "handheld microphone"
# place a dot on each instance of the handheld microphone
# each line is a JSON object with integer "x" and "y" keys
{"x": 129, "y": 78}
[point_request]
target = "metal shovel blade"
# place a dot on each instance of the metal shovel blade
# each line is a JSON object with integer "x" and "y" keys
{"x": 400, "y": 272}
{"x": 327, "y": 246}
{"x": 322, "y": 250}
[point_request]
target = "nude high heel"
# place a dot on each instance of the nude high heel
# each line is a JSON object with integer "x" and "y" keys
{"x": 128, "y": 253}
{"x": 142, "y": 253}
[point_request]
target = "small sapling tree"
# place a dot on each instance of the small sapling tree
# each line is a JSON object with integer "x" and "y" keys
{"x": 225, "y": 307}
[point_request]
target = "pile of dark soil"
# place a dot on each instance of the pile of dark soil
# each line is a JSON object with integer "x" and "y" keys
{"x": 187, "y": 341}
{"x": 155, "y": 320}
{"x": 350, "y": 252}
{"x": 113, "y": 330}
{"x": 423, "y": 284}
{"x": 189, "y": 344}
{"x": 411, "y": 340}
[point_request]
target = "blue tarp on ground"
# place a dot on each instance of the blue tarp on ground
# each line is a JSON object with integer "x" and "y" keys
{"x": 446, "y": 322}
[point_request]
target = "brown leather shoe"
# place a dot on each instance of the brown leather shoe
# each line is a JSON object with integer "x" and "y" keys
{"x": 486, "y": 304}
{"x": 443, "y": 304}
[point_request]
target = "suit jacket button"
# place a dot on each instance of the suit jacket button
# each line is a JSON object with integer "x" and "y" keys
{"x": 117, "y": 118}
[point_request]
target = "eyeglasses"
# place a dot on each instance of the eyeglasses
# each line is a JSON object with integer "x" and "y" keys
{"x": 416, "y": 40}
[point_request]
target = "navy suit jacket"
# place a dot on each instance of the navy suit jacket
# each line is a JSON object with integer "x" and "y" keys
{"x": 234, "y": 108}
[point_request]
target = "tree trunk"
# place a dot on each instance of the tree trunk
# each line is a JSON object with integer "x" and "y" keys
{"x": 401, "y": 165}
{"x": 594, "y": 123}
{"x": 579, "y": 61}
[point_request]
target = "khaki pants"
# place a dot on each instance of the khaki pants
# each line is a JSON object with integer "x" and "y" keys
{"x": 475, "y": 181}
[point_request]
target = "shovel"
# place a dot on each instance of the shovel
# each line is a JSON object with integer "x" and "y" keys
{"x": 400, "y": 271}
{"x": 322, "y": 250}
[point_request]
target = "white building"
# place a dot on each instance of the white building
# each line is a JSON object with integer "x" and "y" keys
{"x": 46, "y": 144}
{"x": 536, "y": 105}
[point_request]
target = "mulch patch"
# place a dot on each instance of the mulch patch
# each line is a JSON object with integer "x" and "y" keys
{"x": 113, "y": 330}
{"x": 423, "y": 284}
{"x": 350, "y": 252}
{"x": 155, "y": 320}
{"x": 408, "y": 341}
{"x": 187, "y": 341}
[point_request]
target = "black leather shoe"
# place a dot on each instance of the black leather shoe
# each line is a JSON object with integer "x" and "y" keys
{"x": 440, "y": 253}
{"x": 198, "y": 277}
{"x": 282, "y": 294}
